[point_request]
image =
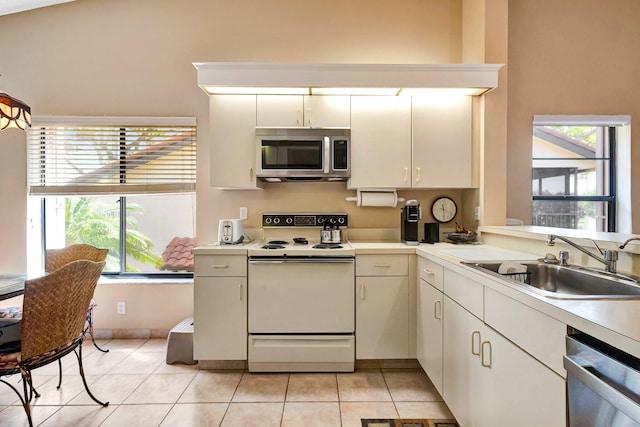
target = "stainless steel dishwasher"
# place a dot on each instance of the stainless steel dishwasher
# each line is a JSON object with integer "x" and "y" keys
{"x": 603, "y": 384}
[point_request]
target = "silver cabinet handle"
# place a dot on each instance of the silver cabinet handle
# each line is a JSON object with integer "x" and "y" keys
{"x": 250, "y": 174}
{"x": 429, "y": 272}
{"x": 437, "y": 309}
{"x": 220, "y": 266}
{"x": 308, "y": 116}
{"x": 240, "y": 291}
{"x": 418, "y": 175}
{"x": 382, "y": 265}
{"x": 484, "y": 346}
{"x": 327, "y": 154}
{"x": 362, "y": 290}
{"x": 473, "y": 343}
{"x": 406, "y": 174}
{"x": 297, "y": 116}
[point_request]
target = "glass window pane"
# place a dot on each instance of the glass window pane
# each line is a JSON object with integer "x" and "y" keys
{"x": 560, "y": 177}
{"x": 586, "y": 142}
{"x": 160, "y": 233}
{"x": 93, "y": 220}
{"x": 581, "y": 215}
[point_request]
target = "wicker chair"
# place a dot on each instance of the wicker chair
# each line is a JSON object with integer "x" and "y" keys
{"x": 56, "y": 258}
{"x": 62, "y": 295}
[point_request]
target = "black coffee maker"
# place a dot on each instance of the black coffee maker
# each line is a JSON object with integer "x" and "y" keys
{"x": 410, "y": 215}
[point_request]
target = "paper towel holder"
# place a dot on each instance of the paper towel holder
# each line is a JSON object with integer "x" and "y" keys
{"x": 359, "y": 199}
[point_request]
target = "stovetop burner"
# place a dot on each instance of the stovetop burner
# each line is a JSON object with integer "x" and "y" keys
{"x": 271, "y": 245}
{"x": 328, "y": 246}
{"x": 278, "y": 242}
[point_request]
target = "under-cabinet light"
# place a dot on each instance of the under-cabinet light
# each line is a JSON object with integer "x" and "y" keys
{"x": 256, "y": 90}
{"x": 442, "y": 91}
{"x": 386, "y": 91}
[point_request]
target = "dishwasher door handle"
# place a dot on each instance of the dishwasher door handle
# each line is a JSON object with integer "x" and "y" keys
{"x": 608, "y": 390}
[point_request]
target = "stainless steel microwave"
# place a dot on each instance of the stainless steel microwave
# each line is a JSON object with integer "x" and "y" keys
{"x": 303, "y": 155}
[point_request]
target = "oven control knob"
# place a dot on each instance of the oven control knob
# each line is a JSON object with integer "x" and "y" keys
{"x": 276, "y": 220}
{"x": 341, "y": 220}
{"x": 267, "y": 220}
{"x": 289, "y": 220}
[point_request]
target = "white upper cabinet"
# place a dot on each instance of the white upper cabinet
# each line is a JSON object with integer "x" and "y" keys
{"x": 303, "y": 111}
{"x": 442, "y": 142}
{"x": 380, "y": 142}
{"x": 232, "y": 120}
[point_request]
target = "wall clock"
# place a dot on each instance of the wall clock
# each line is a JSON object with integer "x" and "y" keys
{"x": 444, "y": 209}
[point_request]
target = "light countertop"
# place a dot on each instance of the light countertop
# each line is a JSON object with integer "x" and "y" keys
{"x": 614, "y": 321}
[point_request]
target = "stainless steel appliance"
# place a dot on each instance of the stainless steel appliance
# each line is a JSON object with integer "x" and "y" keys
{"x": 603, "y": 384}
{"x": 301, "y": 297}
{"x": 410, "y": 215}
{"x": 230, "y": 231}
{"x": 303, "y": 155}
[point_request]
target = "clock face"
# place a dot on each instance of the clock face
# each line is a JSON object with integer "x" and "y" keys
{"x": 444, "y": 209}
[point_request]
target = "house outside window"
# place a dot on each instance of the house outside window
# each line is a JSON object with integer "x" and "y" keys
{"x": 574, "y": 174}
{"x": 126, "y": 184}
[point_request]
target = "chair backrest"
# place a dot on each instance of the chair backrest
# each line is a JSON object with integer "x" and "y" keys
{"x": 56, "y": 258}
{"x": 54, "y": 308}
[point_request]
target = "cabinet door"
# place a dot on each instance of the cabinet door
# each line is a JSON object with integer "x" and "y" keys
{"x": 232, "y": 121}
{"x": 430, "y": 332}
{"x": 380, "y": 142}
{"x": 327, "y": 111}
{"x": 442, "y": 142}
{"x": 280, "y": 111}
{"x": 220, "y": 318}
{"x": 382, "y": 317}
{"x": 517, "y": 390}
{"x": 462, "y": 390}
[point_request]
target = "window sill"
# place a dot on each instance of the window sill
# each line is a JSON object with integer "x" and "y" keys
{"x": 144, "y": 281}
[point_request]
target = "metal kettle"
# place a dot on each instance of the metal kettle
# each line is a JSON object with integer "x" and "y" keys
{"x": 330, "y": 232}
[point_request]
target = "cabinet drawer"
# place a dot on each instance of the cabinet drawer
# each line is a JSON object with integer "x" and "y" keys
{"x": 466, "y": 292}
{"x": 382, "y": 265}
{"x": 220, "y": 265}
{"x": 431, "y": 272}
{"x": 536, "y": 333}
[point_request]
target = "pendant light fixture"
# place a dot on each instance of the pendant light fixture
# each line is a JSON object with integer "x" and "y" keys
{"x": 13, "y": 113}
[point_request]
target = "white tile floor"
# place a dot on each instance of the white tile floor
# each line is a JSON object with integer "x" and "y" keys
{"x": 144, "y": 391}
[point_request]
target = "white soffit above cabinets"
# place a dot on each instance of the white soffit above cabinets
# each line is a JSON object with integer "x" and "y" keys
{"x": 7, "y": 7}
{"x": 354, "y": 79}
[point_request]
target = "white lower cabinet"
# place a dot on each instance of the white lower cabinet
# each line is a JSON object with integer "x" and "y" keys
{"x": 382, "y": 307}
{"x": 516, "y": 389}
{"x": 220, "y": 307}
{"x": 429, "y": 340}
{"x": 488, "y": 381}
{"x": 382, "y": 317}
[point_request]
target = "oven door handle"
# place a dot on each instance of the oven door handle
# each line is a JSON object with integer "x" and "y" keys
{"x": 303, "y": 261}
{"x": 608, "y": 390}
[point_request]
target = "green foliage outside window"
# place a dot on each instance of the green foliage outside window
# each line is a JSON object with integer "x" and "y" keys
{"x": 94, "y": 222}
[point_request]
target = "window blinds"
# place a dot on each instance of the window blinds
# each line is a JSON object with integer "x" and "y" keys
{"x": 111, "y": 155}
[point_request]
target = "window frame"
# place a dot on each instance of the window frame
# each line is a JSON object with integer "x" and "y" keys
{"x": 123, "y": 164}
{"x": 611, "y": 199}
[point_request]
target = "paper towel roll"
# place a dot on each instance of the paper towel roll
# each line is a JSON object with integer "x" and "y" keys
{"x": 381, "y": 198}
{"x": 386, "y": 199}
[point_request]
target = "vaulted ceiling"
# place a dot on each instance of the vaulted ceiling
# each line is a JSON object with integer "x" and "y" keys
{"x": 8, "y": 7}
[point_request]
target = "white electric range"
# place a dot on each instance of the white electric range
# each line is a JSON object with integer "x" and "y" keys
{"x": 301, "y": 297}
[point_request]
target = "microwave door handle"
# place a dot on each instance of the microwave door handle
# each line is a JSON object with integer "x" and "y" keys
{"x": 327, "y": 153}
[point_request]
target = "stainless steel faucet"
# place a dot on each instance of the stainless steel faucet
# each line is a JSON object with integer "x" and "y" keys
{"x": 626, "y": 242}
{"x": 609, "y": 257}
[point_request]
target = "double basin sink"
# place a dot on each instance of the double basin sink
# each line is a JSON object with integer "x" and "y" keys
{"x": 566, "y": 282}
